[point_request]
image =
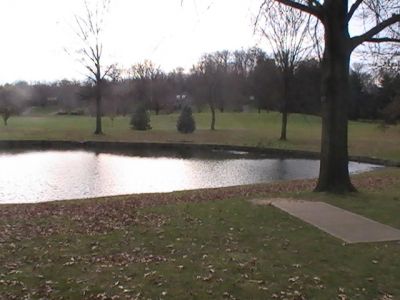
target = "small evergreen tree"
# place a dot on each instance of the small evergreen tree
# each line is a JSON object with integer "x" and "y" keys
{"x": 186, "y": 123}
{"x": 140, "y": 119}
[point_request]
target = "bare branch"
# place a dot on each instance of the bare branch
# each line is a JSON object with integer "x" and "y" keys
{"x": 107, "y": 72}
{"x": 353, "y": 9}
{"x": 383, "y": 40}
{"x": 90, "y": 78}
{"x": 286, "y": 30}
{"x": 358, "y": 40}
{"x": 316, "y": 36}
{"x": 310, "y": 9}
{"x": 95, "y": 57}
{"x": 91, "y": 70}
{"x": 84, "y": 51}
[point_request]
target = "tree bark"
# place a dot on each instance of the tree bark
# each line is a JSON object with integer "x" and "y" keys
{"x": 284, "y": 106}
{"x": 99, "y": 129}
{"x": 284, "y": 125}
{"x": 334, "y": 174}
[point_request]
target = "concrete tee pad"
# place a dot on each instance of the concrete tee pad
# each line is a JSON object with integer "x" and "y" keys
{"x": 342, "y": 224}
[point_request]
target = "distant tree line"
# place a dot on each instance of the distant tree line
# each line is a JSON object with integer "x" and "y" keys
{"x": 220, "y": 81}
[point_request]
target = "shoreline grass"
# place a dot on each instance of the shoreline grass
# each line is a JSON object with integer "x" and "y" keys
{"x": 244, "y": 129}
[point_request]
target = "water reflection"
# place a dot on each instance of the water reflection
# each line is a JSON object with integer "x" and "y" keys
{"x": 54, "y": 175}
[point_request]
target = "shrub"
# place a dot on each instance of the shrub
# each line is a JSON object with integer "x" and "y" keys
{"x": 186, "y": 123}
{"x": 140, "y": 119}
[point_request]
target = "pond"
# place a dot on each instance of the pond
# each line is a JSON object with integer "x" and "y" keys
{"x": 39, "y": 176}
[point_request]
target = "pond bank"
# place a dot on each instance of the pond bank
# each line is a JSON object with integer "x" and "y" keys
{"x": 129, "y": 146}
{"x": 211, "y": 240}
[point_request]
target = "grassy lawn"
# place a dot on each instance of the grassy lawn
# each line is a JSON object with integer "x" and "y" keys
{"x": 251, "y": 129}
{"x": 205, "y": 244}
{"x": 210, "y": 244}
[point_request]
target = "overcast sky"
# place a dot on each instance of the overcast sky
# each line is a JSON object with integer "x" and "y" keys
{"x": 35, "y": 34}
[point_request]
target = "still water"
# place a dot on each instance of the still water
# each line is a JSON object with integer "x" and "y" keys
{"x": 39, "y": 176}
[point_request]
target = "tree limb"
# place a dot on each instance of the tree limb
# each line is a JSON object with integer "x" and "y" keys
{"x": 107, "y": 72}
{"x": 91, "y": 70}
{"x": 358, "y": 40}
{"x": 353, "y": 9}
{"x": 383, "y": 40}
{"x": 313, "y": 10}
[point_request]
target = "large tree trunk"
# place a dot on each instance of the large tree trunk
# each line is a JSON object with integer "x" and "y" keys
{"x": 334, "y": 173}
{"x": 284, "y": 106}
{"x": 284, "y": 125}
{"x": 98, "y": 110}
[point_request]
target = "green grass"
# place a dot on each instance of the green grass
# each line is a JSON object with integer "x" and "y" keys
{"x": 210, "y": 250}
{"x": 250, "y": 129}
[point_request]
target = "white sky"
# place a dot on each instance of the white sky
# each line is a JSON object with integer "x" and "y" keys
{"x": 34, "y": 34}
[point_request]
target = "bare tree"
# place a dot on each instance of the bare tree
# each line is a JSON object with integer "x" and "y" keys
{"x": 286, "y": 31}
{"x": 265, "y": 83}
{"x": 89, "y": 31}
{"x": 223, "y": 60}
{"x": 13, "y": 98}
{"x": 243, "y": 64}
{"x": 115, "y": 73}
{"x": 381, "y": 19}
{"x": 146, "y": 75}
{"x": 112, "y": 91}
{"x": 145, "y": 70}
{"x": 208, "y": 80}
